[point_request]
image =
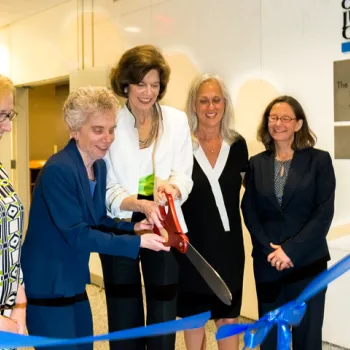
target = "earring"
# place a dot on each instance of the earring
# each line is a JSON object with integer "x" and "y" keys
{"x": 125, "y": 90}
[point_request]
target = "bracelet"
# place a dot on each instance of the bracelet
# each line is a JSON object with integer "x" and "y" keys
{"x": 20, "y": 306}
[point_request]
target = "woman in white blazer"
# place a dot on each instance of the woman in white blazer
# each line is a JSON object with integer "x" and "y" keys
{"x": 151, "y": 154}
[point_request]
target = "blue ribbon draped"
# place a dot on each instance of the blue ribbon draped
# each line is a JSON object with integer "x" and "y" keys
{"x": 11, "y": 340}
{"x": 285, "y": 316}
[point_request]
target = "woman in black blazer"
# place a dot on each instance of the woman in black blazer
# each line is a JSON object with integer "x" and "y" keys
{"x": 288, "y": 208}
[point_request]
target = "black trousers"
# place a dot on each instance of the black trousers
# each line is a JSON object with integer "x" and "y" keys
{"x": 306, "y": 336}
{"x": 124, "y": 296}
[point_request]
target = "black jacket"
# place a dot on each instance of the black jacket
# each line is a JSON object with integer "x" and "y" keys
{"x": 301, "y": 223}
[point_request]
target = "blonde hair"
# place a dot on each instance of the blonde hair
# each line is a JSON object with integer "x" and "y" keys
{"x": 227, "y": 131}
{"x": 6, "y": 86}
{"x": 85, "y": 102}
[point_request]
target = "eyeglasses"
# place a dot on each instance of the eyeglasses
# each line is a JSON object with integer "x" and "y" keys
{"x": 283, "y": 119}
{"x": 9, "y": 115}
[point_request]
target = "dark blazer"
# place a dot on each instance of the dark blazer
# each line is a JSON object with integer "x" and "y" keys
{"x": 301, "y": 223}
{"x": 66, "y": 224}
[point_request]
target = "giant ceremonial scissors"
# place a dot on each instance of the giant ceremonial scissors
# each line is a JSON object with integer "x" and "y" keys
{"x": 175, "y": 238}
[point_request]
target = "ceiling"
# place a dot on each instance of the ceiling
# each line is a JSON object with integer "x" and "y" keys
{"x": 14, "y": 10}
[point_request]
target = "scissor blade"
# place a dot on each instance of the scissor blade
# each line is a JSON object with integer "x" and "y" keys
{"x": 211, "y": 277}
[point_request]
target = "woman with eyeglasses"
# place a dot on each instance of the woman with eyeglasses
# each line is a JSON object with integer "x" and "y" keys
{"x": 12, "y": 296}
{"x": 288, "y": 208}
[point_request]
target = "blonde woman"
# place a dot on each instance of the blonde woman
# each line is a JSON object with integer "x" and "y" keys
{"x": 212, "y": 208}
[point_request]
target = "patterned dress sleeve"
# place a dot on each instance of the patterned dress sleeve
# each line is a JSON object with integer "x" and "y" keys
{"x": 11, "y": 229}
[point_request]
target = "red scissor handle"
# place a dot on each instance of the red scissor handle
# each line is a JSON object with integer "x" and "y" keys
{"x": 173, "y": 232}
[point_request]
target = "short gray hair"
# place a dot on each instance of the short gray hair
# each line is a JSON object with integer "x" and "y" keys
{"x": 6, "y": 86}
{"x": 227, "y": 131}
{"x": 85, "y": 102}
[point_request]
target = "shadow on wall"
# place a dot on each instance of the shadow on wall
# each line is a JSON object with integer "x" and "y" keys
{"x": 183, "y": 71}
{"x": 252, "y": 98}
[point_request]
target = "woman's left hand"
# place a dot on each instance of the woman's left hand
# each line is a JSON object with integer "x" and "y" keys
{"x": 279, "y": 258}
{"x": 18, "y": 315}
{"x": 170, "y": 189}
{"x": 143, "y": 225}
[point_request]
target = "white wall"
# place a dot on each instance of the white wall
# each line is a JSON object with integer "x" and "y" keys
{"x": 300, "y": 41}
{"x": 5, "y": 52}
{"x": 262, "y": 48}
{"x": 44, "y": 46}
{"x": 338, "y": 301}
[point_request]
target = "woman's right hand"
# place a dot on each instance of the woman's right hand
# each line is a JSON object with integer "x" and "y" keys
{"x": 8, "y": 325}
{"x": 154, "y": 242}
{"x": 152, "y": 212}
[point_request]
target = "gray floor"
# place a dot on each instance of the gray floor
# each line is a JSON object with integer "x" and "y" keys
{"x": 98, "y": 305}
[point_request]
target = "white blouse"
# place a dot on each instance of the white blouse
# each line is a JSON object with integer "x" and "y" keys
{"x": 213, "y": 175}
{"x": 146, "y": 164}
{"x": 172, "y": 160}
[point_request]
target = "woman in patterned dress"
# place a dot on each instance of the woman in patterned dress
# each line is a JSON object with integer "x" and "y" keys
{"x": 12, "y": 296}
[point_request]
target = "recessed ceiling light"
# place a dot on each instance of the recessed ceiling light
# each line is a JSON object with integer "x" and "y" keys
{"x": 132, "y": 29}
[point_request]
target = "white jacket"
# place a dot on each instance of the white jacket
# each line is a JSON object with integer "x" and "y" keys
{"x": 173, "y": 160}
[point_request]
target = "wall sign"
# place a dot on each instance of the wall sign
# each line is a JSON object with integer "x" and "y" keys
{"x": 341, "y": 88}
{"x": 345, "y": 46}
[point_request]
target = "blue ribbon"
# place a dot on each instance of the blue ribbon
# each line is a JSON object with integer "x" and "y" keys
{"x": 287, "y": 315}
{"x": 11, "y": 340}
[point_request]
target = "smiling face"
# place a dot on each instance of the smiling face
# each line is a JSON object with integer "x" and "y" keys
{"x": 283, "y": 132}
{"x": 6, "y": 106}
{"x": 96, "y": 135}
{"x": 210, "y": 104}
{"x": 144, "y": 95}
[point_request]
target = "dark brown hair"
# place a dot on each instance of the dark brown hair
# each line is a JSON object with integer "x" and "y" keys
{"x": 303, "y": 138}
{"x": 134, "y": 65}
